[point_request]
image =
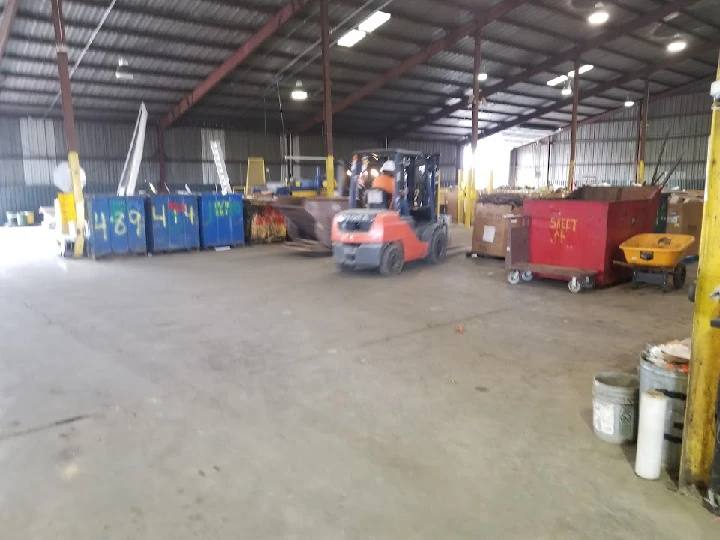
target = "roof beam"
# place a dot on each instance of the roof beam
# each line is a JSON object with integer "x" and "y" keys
{"x": 567, "y": 55}
{"x": 600, "y": 88}
{"x": 452, "y": 37}
{"x": 234, "y": 60}
{"x": 8, "y": 17}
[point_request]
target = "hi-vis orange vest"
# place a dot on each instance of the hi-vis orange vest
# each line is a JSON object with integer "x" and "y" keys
{"x": 384, "y": 182}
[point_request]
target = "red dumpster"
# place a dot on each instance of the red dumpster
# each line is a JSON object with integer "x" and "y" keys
{"x": 579, "y": 237}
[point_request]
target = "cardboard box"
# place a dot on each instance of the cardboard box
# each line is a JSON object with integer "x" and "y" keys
{"x": 685, "y": 213}
{"x": 490, "y": 233}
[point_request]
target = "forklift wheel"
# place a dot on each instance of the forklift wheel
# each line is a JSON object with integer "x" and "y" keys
{"x": 392, "y": 260}
{"x": 679, "y": 275}
{"x": 438, "y": 247}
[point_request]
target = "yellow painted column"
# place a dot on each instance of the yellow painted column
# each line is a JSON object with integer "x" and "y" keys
{"x": 330, "y": 176}
{"x": 469, "y": 188}
{"x": 491, "y": 181}
{"x": 74, "y": 162}
{"x": 438, "y": 193}
{"x": 699, "y": 433}
{"x": 641, "y": 171}
{"x": 461, "y": 194}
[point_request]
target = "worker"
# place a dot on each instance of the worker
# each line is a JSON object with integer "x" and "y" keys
{"x": 386, "y": 179}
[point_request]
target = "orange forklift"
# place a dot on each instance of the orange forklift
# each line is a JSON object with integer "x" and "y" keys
{"x": 386, "y": 228}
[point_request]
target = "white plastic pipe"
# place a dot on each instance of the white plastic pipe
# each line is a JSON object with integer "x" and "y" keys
{"x": 651, "y": 434}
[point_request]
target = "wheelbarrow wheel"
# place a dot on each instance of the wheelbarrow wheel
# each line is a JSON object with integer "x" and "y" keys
{"x": 679, "y": 275}
{"x": 575, "y": 285}
{"x": 513, "y": 277}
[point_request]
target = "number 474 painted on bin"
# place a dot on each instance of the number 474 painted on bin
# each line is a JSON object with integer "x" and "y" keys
{"x": 175, "y": 209}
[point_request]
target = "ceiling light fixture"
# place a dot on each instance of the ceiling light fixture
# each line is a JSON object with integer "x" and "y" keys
{"x": 629, "y": 103}
{"x": 482, "y": 76}
{"x": 677, "y": 45}
{"x": 374, "y": 21}
{"x": 122, "y": 72}
{"x": 298, "y": 94}
{"x": 563, "y": 78}
{"x": 567, "y": 89}
{"x": 351, "y": 38}
{"x": 599, "y": 16}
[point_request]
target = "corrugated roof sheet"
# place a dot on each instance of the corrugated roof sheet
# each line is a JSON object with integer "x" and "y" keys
{"x": 172, "y": 45}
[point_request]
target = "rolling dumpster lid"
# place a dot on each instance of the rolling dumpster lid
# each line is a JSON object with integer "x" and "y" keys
{"x": 613, "y": 194}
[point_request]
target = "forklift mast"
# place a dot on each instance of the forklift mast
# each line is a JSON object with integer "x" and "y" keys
{"x": 415, "y": 172}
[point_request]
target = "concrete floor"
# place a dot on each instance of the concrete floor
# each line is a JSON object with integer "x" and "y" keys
{"x": 254, "y": 394}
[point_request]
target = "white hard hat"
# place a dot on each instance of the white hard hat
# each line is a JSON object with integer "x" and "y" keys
{"x": 388, "y": 166}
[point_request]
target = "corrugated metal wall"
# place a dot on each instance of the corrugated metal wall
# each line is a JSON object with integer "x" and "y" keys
{"x": 606, "y": 150}
{"x": 31, "y": 148}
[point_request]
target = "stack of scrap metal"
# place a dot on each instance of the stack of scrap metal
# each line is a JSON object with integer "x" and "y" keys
{"x": 513, "y": 199}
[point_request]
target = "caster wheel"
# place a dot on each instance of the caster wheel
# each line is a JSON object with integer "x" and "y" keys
{"x": 575, "y": 285}
{"x": 589, "y": 283}
{"x": 679, "y": 275}
{"x": 513, "y": 277}
{"x": 527, "y": 275}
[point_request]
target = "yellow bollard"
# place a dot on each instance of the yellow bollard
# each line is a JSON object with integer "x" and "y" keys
{"x": 438, "y": 193}
{"x": 699, "y": 431}
{"x": 330, "y": 176}
{"x": 79, "y": 246}
{"x": 461, "y": 195}
{"x": 641, "y": 171}
{"x": 469, "y": 190}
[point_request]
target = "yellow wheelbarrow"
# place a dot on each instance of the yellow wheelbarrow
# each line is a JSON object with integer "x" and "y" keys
{"x": 656, "y": 259}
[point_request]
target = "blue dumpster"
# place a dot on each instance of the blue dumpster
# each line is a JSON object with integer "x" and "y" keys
{"x": 221, "y": 220}
{"x": 173, "y": 223}
{"x": 116, "y": 225}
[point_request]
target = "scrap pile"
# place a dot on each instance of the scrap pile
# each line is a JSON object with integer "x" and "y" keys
{"x": 264, "y": 223}
{"x": 674, "y": 355}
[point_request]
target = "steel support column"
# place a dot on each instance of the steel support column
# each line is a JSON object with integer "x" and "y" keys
{"x": 161, "y": 159}
{"x": 477, "y": 63}
{"x": 575, "y": 81}
{"x": 642, "y": 133}
{"x": 700, "y": 430}
{"x": 547, "y": 176}
{"x": 69, "y": 122}
{"x": 327, "y": 96}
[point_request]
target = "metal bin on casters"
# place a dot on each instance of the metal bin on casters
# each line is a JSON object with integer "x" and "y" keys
{"x": 221, "y": 220}
{"x": 173, "y": 223}
{"x": 115, "y": 225}
{"x": 578, "y": 238}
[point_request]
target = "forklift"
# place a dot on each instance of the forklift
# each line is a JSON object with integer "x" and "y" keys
{"x": 383, "y": 230}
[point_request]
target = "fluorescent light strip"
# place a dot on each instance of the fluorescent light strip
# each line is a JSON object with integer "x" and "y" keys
{"x": 374, "y": 21}
{"x": 562, "y": 78}
{"x": 351, "y": 38}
